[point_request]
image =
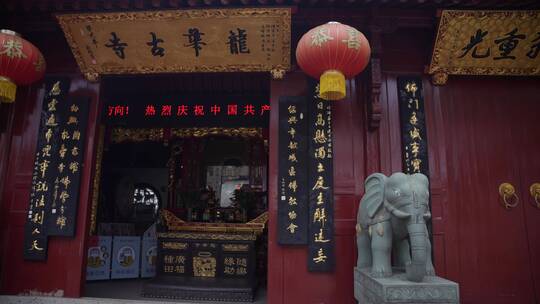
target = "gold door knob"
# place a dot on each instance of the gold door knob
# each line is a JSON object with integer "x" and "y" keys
{"x": 509, "y": 196}
{"x": 535, "y": 193}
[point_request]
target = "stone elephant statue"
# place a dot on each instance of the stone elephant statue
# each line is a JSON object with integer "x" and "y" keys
{"x": 391, "y": 221}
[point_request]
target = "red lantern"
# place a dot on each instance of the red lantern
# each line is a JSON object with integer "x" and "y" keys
{"x": 333, "y": 52}
{"x": 21, "y": 63}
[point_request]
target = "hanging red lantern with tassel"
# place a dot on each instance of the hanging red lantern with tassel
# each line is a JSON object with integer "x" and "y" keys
{"x": 21, "y": 63}
{"x": 333, "y": 52}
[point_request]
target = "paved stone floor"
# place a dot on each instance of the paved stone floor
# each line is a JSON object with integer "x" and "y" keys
{"x": 112, "y": 292}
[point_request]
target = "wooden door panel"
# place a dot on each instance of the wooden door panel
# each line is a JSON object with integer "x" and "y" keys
{"x": 527, "y": 133}
{"x": 491, "y": 241}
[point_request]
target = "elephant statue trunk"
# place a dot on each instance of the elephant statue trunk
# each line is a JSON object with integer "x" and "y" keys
{"x": 416, "y": 270}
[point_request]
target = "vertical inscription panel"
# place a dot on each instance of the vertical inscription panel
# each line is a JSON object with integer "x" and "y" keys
{"x": 320, "y": 185}
{"x": 173, "y": 257}
{"x": 44, "y": 173}
{"x": 292, "y": 173}
{"x": 413, "y": 125}
{"x": 73, "y": 119}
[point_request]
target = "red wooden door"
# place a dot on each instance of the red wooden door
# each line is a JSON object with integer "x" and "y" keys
{"x": 527, "y": 134}
{"x": 493, "y": 245}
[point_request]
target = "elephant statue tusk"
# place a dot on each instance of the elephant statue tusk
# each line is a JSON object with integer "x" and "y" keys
{"x": 398, "y": 213}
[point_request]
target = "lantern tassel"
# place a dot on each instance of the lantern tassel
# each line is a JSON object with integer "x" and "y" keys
{"x": 332, "y": 85}
{"x": 7, "y": 90}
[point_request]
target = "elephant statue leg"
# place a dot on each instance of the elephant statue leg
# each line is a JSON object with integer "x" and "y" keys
{"x": 381, "y": 248}
{"x": 402, "y": 253}
{"x": 430, "y": 270}
{"x": 364, "y": 248}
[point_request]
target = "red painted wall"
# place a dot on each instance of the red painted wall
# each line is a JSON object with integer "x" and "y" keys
{"x": 289, "y": 281}
{"x": 459, "y": 241}
{"x": 63, "y": 269}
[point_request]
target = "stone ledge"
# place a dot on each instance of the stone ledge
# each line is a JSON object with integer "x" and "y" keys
{"x": 63, "y": 300}
{"x": 397, "y": 289}
{"x": 85, "y": 300}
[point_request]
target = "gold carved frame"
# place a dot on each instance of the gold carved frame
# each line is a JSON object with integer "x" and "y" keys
{"x": 92, "y": 73}
{"x": 460, "y": 24}
{"x": 120, "y": 135}
{"x": 97, "y": 179}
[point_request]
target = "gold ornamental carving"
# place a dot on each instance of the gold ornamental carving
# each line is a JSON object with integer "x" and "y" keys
{"x": 204, "y": 266}
{"x": 171, "y": 220}
{"x": 172, "y": 41}
{"x": 229, "y": 132}
{"x": 174, "y": 245}
{"x": 209, "y": 236}
{"x": 91, "y": 76}
{"x": 277, "y": 74}
{"x": 255, "y": 226}
{"x": 97, "y": 180}
{"x": 235, "y": 247}
{"x": 120, "y": 135}
{"x": 486, "y": 43}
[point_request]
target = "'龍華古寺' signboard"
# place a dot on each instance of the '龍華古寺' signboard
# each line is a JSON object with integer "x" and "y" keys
{"x": 486, "y": 43}
{"x": 212, "y": 40}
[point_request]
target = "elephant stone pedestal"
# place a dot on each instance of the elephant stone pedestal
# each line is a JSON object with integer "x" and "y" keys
{"x": 397, "y": 289}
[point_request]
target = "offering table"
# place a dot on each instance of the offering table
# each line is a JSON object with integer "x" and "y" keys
{"x": 206, "y": 261}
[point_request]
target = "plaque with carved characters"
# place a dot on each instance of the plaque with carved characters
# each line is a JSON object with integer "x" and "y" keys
{"x": 486, "y": 43}
{"x": 45, "y": 171}
{"x": 209, "y": 40}
{"x": 413, "y": 125}
{"x": 292, "y": 171}
{"x": 321, "y": 256}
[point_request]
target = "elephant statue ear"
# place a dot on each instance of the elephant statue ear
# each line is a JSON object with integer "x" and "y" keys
{"x": 374, "y": 197}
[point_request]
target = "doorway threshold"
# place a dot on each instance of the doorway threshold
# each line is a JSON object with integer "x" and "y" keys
{"x": 90, "y": 300}
{"x": 131, "y": 289}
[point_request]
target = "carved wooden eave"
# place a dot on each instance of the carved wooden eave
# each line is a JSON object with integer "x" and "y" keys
{"x": 112, "y": 5}
{"x": 255, "y": 226}
{"x": 374, "y": 110}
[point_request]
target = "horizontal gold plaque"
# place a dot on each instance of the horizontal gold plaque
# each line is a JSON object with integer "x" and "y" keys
{"x": 211, "y": 40}
{"x": 486, "y": 43}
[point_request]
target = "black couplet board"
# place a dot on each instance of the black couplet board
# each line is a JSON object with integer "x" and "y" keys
{"x": 320, "y": 185}
{"x": 292, "y": 173}
{"x": 73, "y": 114}
{"x": 413, "y": 125}
{"x": 57, "y": 170}
{"x": 43, "y": 175}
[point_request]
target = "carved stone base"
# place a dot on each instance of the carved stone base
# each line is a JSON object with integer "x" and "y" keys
{"x": 396, "y": 289}
{"x": 200, "y": 289}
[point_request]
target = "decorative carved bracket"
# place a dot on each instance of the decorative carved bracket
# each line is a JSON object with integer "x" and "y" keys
{"x": 92, "y": 77}
{"x": 374, "y": 112}
{"x": 374, "y": 104}
{"x": 277, "y": 74}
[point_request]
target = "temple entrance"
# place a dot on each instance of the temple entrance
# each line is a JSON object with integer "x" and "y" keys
{"x": 181, "y": 178}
